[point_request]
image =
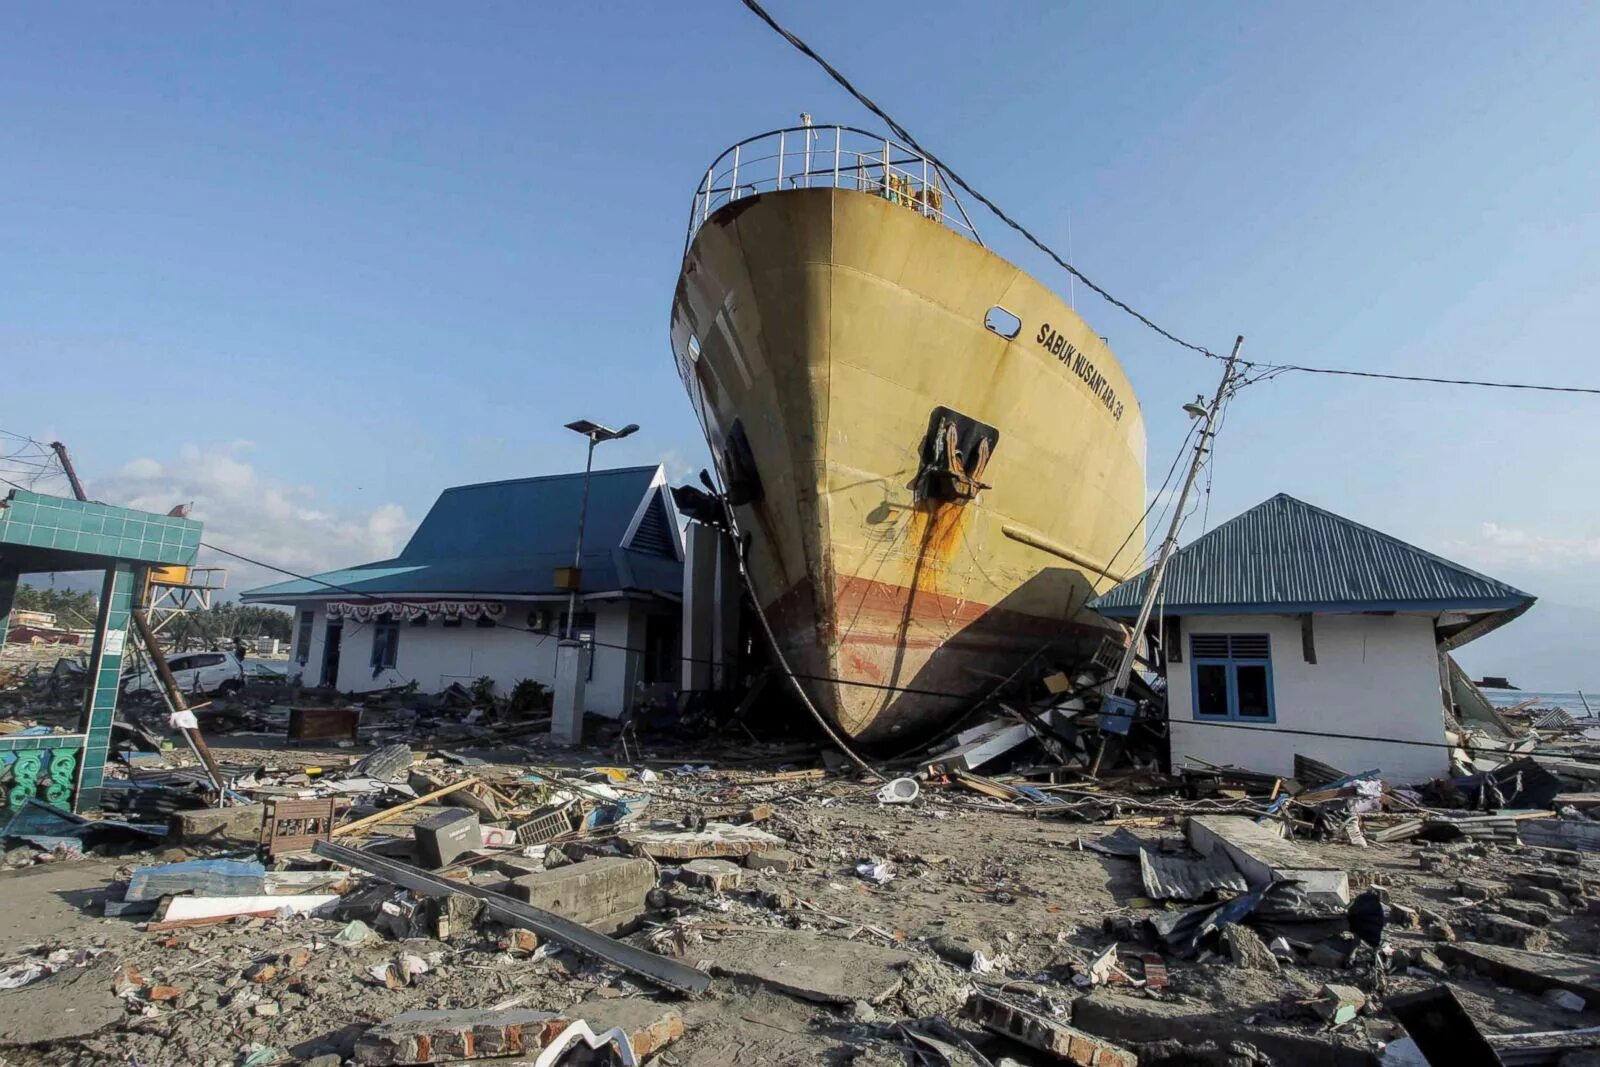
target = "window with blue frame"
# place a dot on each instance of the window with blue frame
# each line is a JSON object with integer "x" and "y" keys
{"x": 1231, "y": 676}
{"x": 385, "y": 644}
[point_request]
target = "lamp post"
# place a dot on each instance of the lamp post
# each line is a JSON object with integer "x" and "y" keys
{"x": 596, "y": 433}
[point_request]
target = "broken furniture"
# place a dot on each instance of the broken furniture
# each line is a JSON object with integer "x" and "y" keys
{"x": 295, "y": 825}
{"x": 323, "y": 724}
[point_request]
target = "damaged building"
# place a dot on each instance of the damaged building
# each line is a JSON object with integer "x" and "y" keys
{"x": 1290, "y": 629}
{"x": 482, "y": 571}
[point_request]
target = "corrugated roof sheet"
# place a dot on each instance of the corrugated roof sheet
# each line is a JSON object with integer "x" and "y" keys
{"x": 1182, "y": 878}
{"x": 1285, "y": 554}
{"x": 509, "y": 537}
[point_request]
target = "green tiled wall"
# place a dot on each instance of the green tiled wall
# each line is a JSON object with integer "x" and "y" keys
{"x": 105, "y": 673}
{"x": 41, "y": 521}
{"x": 34, "y": 744}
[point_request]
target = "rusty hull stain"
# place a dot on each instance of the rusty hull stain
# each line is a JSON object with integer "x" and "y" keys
{"x": 937, "y": 528}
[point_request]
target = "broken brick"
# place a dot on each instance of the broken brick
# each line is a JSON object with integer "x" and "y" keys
{"x": 126, "y": 979}
{"x": 442, "y": 1036}
{"x": 519, "y": 940}
{"x": 1036, "y": 1031}
{"x": 261, "y": 972}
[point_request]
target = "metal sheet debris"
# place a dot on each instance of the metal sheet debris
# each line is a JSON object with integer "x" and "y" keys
{"x": 1181, "y": 878}
{"x": 658, "y": 969}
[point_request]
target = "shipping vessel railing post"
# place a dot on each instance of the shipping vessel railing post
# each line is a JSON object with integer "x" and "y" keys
{"x": 765, "y": 163}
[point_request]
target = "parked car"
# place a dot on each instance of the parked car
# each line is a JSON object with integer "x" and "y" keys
{"x": 198, "y": 673}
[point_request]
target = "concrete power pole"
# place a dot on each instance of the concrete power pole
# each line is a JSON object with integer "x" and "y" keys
{"x": 1116, "y": 703}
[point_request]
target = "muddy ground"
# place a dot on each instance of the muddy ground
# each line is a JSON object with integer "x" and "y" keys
{"x": 969, "y": 874}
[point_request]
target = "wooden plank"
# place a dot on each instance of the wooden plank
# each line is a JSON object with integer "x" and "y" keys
{"x": 181, "y": 908}
{"x": 389, "y": 813}
{"x": 979, "y": 784}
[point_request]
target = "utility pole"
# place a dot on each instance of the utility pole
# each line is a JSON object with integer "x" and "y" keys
{"x": 172, "y": 691}
{"x": 1116, "y": 702}
{"x": 577, "y": 552}
{"x": 596, "y": 434}
{"x": 66, "y": 465}
{"x": 1153, "y": 585}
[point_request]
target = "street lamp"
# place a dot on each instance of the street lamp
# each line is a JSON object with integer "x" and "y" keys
{"x": 596, "y": 434}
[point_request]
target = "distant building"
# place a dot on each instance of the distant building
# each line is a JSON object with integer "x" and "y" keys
{"x": 474, "y": 593}
{"x": 31, "y": 633}
{"x": 1292, "y": 630}
{"x": 44, "y": 620}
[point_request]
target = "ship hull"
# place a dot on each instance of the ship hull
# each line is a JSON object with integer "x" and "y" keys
{"x": 819, "y": 333}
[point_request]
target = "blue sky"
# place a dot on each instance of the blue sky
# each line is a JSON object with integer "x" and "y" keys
{"x": 310, "y": 263}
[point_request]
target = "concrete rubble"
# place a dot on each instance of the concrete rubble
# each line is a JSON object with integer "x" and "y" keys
{"x": 1028, "y": 915}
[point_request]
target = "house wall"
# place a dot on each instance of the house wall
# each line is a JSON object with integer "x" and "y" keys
{"x": 435, "y": 656}
{"x": 306, "y": 663}
{"x": 1375, "y": 676}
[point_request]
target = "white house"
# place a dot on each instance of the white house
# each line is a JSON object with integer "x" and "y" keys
{"x": 475, "y": 593}
{"x": 1292, "y": 630}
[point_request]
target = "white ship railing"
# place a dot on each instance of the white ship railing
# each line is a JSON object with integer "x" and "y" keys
{"x": 839, "y": 157}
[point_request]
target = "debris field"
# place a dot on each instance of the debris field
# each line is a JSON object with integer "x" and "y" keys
{"x": 756, "y": 905}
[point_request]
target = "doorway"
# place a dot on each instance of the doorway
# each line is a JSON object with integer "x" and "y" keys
{"x": 330, "y": 654}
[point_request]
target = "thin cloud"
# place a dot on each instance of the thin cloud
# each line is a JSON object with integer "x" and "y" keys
{"x": 255, "y": 515}
{"x": 1514, "y": 546}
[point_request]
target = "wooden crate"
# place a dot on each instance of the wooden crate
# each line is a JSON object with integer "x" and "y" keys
{"x": 296, "y": 825}
{"x": 323, "y": 724}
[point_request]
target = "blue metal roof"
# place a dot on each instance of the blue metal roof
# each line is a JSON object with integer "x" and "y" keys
{"x": 509, "y": 537}
{"x": 1285, "y": 555}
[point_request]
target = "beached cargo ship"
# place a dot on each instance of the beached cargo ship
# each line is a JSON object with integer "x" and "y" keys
{"x": 933, "y": 457}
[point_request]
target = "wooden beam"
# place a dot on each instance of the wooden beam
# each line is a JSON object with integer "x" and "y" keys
{"x": 388, "y": 813}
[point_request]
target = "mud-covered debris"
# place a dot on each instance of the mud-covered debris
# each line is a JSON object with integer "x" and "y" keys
{"x": 1247, "y": 950}
{"x": 1338, "y": 1004}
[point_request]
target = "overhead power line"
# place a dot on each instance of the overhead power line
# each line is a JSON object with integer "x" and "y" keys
{"x": 1281, "y": 367}
{"x": 872, "y": 685}
{"x": 905, "y": 135}
{"x": 824, "y": 678}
